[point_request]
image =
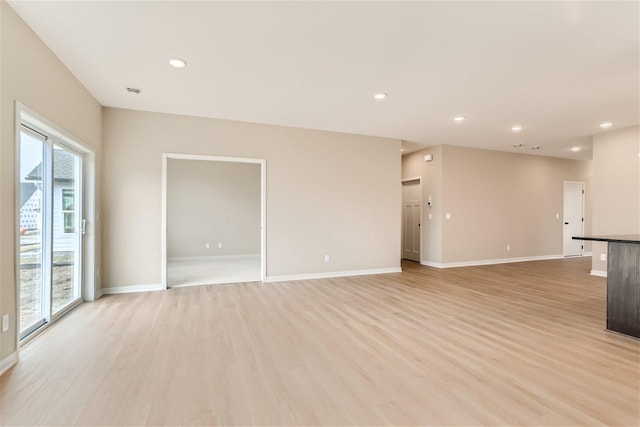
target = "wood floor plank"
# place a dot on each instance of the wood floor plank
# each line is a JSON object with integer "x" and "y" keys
{"x": 510, "y": 344}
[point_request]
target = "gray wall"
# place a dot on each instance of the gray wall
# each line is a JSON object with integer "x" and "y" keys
{"x": 212, "y": 202}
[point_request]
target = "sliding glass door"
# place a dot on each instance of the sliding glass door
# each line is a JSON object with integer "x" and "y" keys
{"x": 51, "y": 229}
{"x": 67, "y": 228}
{"x": 32, "y": 266}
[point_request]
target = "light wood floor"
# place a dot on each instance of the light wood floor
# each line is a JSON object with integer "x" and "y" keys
{"x": 513, "y": 344}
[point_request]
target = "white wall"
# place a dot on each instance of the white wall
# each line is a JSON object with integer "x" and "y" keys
{"x": 327, "y": 193}
{"x": 31, "y": 74}
{"x": 212, "y": 202}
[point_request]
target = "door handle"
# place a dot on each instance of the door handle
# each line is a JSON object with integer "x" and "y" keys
{"x": 566, "y": 223}
{"x": 84, "y": 226}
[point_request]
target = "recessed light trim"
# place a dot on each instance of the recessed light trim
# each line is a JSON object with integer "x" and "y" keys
{"x": 459, "y": 119}
{"x": 380, "y": 96}
{"x": 177, "y": 62}
{"x": 575, "y": 149}
{"x": 606, "y": 125}
{"x": 517, "y": 145}
{"x": 134, "y": 90}
{"x": 536, "y": 147}
{"x": 516, "y": 128}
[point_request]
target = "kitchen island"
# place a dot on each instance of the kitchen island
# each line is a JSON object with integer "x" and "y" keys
{"x": 623, "y": 282}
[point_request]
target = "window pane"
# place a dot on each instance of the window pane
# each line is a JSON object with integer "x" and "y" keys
{"x": 66, "y": 239}
{"x": 69, "y": 226}
{"x": 67, "y": 200}
{"x": 31, "y": 243}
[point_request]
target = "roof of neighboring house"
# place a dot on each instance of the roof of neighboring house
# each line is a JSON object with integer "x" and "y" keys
{"x": 26, "y": 191}
{"x": 63, "y": 167}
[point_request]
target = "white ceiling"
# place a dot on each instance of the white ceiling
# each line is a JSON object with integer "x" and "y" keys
{"x": 557, "y": 68}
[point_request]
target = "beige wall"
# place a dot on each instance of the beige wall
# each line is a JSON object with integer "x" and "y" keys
{"x": 413, "y": 165}
{"x": 32, "y": 75}
{"x": 495, "y": 199}
{"x": 616, "y": 193}
{"x": 327, "y": 193}
{"x": 212, "y": 202}
{"x": 498, "y": 199}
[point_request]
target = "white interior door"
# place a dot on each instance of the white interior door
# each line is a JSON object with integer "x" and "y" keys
{"x": 411, "y": 217}
{"x": 573, "y": 216}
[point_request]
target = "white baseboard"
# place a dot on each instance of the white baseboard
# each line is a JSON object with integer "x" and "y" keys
{"x": 488, "y": 261}
{"x": 587, "y": 254}
{"x": 599, "y": 273}
{"x": 213, "y": 257}
{"x": 331, "y": 274}
{"x": 98, "y": 294}
{"x": 129, "y": 289}
{"x": 8, "y": 362}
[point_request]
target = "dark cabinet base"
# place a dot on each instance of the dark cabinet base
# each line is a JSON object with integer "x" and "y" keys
{"x": 623, "y": 288}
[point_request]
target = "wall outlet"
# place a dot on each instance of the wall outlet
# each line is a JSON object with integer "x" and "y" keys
{"x": 327, "y": 258}
{"x": 220, "y": 245}
{"x": 603, "y": 257}
{"x": 430, "y": 215}
{"x": 5, "y": 322}
{"x": 557, "y": 216}
{"x": 508, "y": 248}
{"x": 207, "y": 245}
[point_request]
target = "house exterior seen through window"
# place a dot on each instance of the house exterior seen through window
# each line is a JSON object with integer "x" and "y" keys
{"x": 68, "y": 205}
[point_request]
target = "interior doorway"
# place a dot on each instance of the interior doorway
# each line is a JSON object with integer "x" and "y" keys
{"x": 213, "y": 223}
{"x": 411, "y": 219}
{"x": 573, "y": 218}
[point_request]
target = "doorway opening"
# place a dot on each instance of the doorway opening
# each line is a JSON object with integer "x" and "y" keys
{"x": 54, "y": 204}
{"x": 573, "y": 218}
{"x": 411, "y": 219}
{"x": 213, "y": 220}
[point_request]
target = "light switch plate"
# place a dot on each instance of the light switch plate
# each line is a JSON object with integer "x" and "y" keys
{"x": 447, "y": 215}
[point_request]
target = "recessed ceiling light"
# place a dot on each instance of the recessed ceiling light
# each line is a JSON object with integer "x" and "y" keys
{"x": 535, "y": 147}
{"x": 380, "y": 96}
{"x": 606, "y": 125}
{"x": 517, "y": 145}
{"x": 177, "y": 62}
{"x": 516, "y": 128}
{"x": 133, "y": 90}
{"x": 459, "y": 119}
{"x": 575, "y": 149}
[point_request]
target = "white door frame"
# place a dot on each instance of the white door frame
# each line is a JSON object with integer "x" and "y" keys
{"x": 263, "y": 206}
{"x": 419, "y": 179}
{"x": 564, "y": 184}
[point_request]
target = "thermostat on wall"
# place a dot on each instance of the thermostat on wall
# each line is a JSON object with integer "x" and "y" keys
{"x": 428, "y": 157}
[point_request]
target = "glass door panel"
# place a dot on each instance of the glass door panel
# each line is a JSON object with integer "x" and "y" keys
{"x": 32, "y": 278}
{"x": 67, "y": 230}
{"x": 50, "y": 229}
